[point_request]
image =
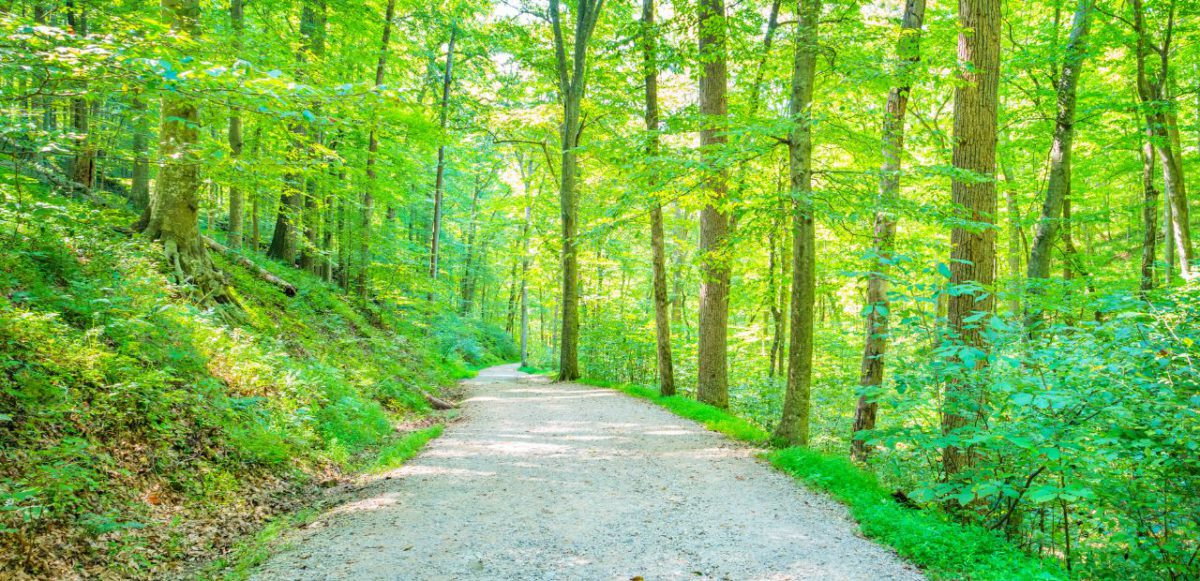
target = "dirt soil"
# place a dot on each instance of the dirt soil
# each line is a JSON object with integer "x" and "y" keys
{"x": 545, "y": 480}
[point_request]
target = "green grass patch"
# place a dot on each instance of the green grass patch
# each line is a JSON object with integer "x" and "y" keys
{"x": 944, "y": 549}
{"x": 927, "y": 538}
{"x": 715, "y": 419}
{"x": 404, "y": 448}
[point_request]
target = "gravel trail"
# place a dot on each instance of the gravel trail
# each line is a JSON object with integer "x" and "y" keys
{"x": 545, "y": 480}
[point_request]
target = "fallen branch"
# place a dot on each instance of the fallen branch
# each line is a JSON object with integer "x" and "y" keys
{"x": 285, "y": 286}
{"x": 438, "y": 403}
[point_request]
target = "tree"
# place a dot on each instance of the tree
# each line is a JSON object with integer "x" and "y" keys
{"x": 883, "y": 246}
{"x": 973, "y": 238}
{"x": 1058, "y": 182}
{"x": 712, "y": 382}
{"x": 237, "y": 21}
{"x": 367, "y": 211}
{"x": 174, "y": 207}
{"x": 571, "y": 78}
{"x": 793, "y": 425}
{"x": 439, "y": 180}
{"x": 285, "y": 240}
{"x": 1158, "y": 106}
{"x": 662, "y": 317}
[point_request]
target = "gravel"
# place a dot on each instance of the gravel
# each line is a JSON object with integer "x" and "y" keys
{"x": 545, "y": 480}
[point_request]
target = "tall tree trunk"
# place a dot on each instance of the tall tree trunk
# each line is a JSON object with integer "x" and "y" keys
{"x": 1013, "y": 241}
{"x": 1059, "y": 181}
{"x": 83, "y": 164}
{"x": 973, "y": 252}
{"x": 1149, "y": 215}
{"x": 468, "y": 277}
{"x": 525, "y": 235}
{"x": 289, "y": 221}
{"x": 237, "y": 22}
{"x": 367, "y": 210}
{"x": 793, "y": 425}
{"x": 571, "y": 82}
{"x": 878, "y": 305}
{"x": 1158, "y": 107}
{"x": 712, "y": 385}
{"x": 174, "y": 209}
{"x": 439, "y": 181}
{"x": 139, "y": 191}
{"x": 662, "y": 316}
{"x": 310, "y": 251}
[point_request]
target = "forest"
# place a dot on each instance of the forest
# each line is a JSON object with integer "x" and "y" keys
{"x": 940, "y": 250}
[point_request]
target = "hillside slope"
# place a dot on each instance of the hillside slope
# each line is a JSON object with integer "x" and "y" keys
{"x": 138, "y": 431}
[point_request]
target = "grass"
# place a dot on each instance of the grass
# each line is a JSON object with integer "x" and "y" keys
{"x": 404, "y": 448}
{"x": 253, "y": 551}
{"x": 944, "y": 549}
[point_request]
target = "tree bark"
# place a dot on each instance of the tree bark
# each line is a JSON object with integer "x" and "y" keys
{"x": 1059, "y": 181}
{"x": 139, "y": 191}
{"x": 367, "y": 211}
{"x": 289, "y": 221}
{"x": 439, "y": 181}
{"x": 973, "y": 252}
{"x": 793, "y": 425}
{"x": 571, "y": 82}
{"x": 878, "y": 305}
{"x": 237, "y": 22}
{"x": 1149, "y": 215}
{"x": 83, "y": 164}
{"x": 1158, "y": 107}
{"x": 712, "y": 352}
{"x": 174, "y": 209}
{"x": 662, "y": 315}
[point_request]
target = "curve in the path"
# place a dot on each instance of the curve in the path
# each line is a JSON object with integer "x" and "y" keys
{"x": 545, "y": 480}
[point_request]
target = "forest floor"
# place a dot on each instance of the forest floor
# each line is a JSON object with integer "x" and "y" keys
{"x": 543, "y": 480}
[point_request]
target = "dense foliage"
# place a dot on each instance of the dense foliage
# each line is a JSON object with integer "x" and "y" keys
{"x": 401, "y": 165}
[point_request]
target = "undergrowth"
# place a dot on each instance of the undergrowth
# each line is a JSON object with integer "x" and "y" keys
{"x": 138, "y": 430}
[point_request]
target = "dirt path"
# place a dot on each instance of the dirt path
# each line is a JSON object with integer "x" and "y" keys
{"x": 561, "y": 481}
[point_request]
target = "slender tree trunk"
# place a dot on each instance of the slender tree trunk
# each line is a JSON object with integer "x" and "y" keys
{"x": 878, "y": 305}
{"x": 1013, "y": 241}
{"x": 83, "y": 165}
{"x": 255, "y": 233}
{"x": 439, "y": 181}
{"x": 525, "y": 284}
{"x": 571, "y": 82}
{"x": 1149, "y": 215}
{"x": 237, "y": 22}
{"x": 174, "y": 209}
{"x": 1153, "y": 94}
{"x": 973, "y": 253}
{"x": 367, "y": 210}
{"x": 139, "y": 191}
{"x": 662, "y": 316}
{"x": 468, "y": 278}
{"x": 290, "y": 219}
{"x": 1059, "y": 181}
{"x": 793, "y": 425}
{"x": 712, "y": 352}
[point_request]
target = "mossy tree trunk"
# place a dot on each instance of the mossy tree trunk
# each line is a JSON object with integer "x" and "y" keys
{"x": 175, "y": 205}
